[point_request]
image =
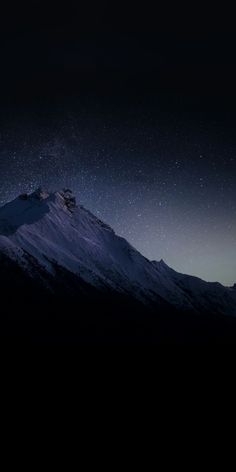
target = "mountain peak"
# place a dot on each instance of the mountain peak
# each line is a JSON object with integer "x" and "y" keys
{"x": 27, "y": 209}
{"x": 160, "y": 263}
{"x": 40, "y": 194}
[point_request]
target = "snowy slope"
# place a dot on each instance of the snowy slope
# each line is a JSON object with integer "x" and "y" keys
{"x": 51, "y": 228}
{"x": 201, "y": 295}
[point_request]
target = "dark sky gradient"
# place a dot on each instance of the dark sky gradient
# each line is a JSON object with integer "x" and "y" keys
{"x": 135, "y": 111}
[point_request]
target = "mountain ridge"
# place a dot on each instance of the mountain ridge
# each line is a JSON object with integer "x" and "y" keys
{"x": 51, "y": 231}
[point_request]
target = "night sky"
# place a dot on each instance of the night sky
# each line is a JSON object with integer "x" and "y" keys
{"x": 135, "y": 112}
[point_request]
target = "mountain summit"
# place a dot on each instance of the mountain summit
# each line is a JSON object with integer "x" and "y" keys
{"x": 44, "y": 234}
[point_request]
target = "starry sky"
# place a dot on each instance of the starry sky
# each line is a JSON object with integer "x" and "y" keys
{"x": 136, "y": 114}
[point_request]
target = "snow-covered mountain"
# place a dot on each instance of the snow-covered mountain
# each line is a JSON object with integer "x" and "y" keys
{"x": 42, "y": 232}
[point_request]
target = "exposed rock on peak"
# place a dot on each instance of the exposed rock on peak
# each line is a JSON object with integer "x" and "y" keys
{"x": 69, "y": 198}
{"x": 39, "y": 194}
